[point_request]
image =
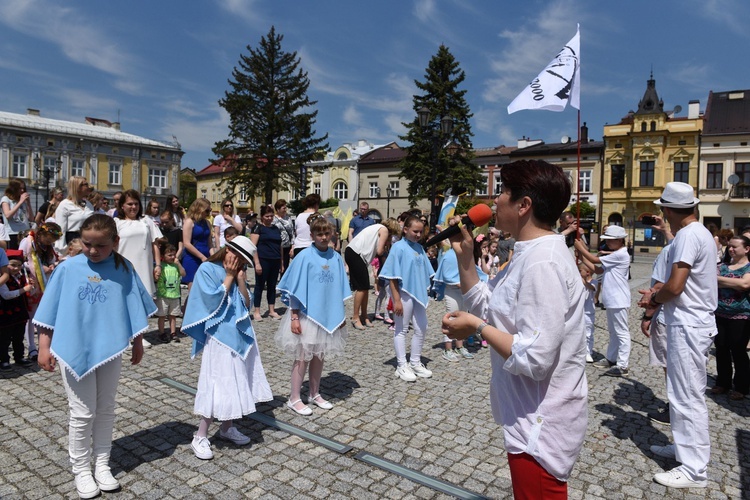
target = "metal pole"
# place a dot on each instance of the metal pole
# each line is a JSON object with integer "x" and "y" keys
{"x": 433, "y": 201}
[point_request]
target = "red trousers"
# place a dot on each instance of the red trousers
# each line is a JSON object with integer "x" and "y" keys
{"x": 531, "y": 481}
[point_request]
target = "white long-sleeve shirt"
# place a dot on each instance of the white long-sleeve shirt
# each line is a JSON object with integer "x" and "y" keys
{"x": 539, "y": 394}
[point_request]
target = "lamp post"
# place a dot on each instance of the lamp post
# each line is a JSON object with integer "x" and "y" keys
{"x": 388, "y": 194}
{"x": 48, "y": 172}
{"x": 446, "y": 127}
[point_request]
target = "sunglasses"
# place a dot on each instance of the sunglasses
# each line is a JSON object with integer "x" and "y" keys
{"x": 227, "y": 206}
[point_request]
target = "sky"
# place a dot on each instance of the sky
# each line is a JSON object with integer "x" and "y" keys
{"x": 160, "y": 67}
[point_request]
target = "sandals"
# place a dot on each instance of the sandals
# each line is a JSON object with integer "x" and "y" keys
{"x": 305, "y": 410}
{"x": 717, "y": 389}
{"x": 318, "y": 401}
{"x": 358, "y": 325}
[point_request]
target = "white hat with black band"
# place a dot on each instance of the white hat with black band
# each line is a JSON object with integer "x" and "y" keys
{"x": 243, "y": 246}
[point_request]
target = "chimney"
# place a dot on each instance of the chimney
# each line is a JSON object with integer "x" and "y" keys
{"x": 694, "y": 109}
{"x": 584, "y": 134}
{"x": 116, "y": 126}
{"x": 32, "y": 112}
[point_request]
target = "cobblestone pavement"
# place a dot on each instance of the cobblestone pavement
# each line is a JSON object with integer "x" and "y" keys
{"x": 441, "y": 427}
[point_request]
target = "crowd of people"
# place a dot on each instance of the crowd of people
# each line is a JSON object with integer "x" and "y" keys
{"x": 524, "y": 288}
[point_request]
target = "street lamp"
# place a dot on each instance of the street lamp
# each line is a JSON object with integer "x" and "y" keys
{"x": 388, "y": 194}
{"x": 48, "y": 172}
{"x": 446, "y": 127}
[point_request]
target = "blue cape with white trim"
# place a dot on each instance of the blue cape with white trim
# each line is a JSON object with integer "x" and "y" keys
{"x": 94, "y": 310}
{"x": 213, "y": 310}
{"x": 408, "y": 263}
{"x": 317, "y": 280}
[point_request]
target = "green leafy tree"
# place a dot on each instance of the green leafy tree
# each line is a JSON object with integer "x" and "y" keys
{"x": 271, "y": 121}
{"x": 587, "y": 210}
{"x": 448, "y": 155}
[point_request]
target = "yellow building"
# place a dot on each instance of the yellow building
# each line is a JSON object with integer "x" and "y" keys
{"x": 46, "y": 153}
{"x": 644, "y": 151}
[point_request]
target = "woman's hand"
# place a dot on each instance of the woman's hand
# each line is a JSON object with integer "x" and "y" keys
{"x": 137, "y": 352}
{"x": 463, "y": 242}
{"x": 258, "y": 269}
{"x": 296, "y": 327}
{"x": 460, "y": 325}
{"x": 45, "y": 360}
{"x": 23, "y": 198}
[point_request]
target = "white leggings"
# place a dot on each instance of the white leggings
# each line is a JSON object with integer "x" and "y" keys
{"x": 413, "y": 311}
{"x": 91, "y": 401}
{"x": 454, "y": 301}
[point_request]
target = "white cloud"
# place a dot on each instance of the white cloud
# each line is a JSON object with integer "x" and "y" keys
{"x": 245, "y": 9}
{"x": 352, "y": 116}
{"x": 732, "y": 14}
{"x": 76, "y": 36}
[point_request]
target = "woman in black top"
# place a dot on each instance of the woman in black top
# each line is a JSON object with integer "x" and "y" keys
{"x": 267, "y": 238}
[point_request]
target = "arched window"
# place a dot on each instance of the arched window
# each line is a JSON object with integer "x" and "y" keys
{"x": 615, "y": 219}
{"x": 653, "y": 126}
{"x": 340, "y": 190}
{"x": 342, "y": 156}
{"x": 643, "y": 126}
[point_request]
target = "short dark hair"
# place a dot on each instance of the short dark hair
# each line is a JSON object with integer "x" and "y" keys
{"x": 311, "y": 200}
{"x": 279, "y": 203}
{"x": 546, "y": 184}
{"x": 266, "y": 209}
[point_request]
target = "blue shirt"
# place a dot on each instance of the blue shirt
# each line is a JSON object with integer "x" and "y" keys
{"x": 358, "y": 223}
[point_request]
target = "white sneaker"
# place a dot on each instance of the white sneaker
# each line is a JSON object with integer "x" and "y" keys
{"x": 589, "y": 359}
{"x": 146, "y": 344}
{"x": 663, "y": 451}
{"x": 675, "y": 478}
{"x": 464, "y": 352}
{"x": 86, "y": 485}
{"x": 420, "y": 370}
{"x": 202, "y": 448}
{"x": 405, "y": 373}
{"x": 106, "y": 480}
{"x": 234, "y": 436}
{"x": 450, "y": 355}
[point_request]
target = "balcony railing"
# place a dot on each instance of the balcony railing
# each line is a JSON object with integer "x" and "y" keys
{"x": 740, "y": 192}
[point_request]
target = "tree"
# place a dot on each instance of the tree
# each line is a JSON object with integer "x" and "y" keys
{"x": 449, "y": 155}
{"x": 271, "y": 132}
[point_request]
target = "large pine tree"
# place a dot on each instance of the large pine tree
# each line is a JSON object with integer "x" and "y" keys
{"x": 271, "y": 132}
{"x": 449, "y": 156}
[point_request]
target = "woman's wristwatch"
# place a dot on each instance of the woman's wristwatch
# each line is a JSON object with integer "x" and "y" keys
{"x": 481, "y": 327}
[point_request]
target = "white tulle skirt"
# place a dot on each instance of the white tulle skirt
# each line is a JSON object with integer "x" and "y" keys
{"x": 313, "y": 341}
{"x": 228, "y": 386}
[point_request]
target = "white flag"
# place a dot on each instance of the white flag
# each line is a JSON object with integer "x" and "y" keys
{"x": 557, "y": 84}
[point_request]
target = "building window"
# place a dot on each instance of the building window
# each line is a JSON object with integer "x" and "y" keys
{"x": 243, "y": 195}
{"x": 653, "y": 126}
{"x": 584, "y": 181}
{"x": 714, "y": 175}
{"x": 496, "y": 187}
{"x": 647, "y": 174}
{"x": 618, "y": 176}
{"x": 204, "y": 195}
{"x": 77, "y": 167}
{"x": 681, "y": 171}
{"x": 743, "y": 171}
{"x": 316, "y": 188}
{"x": 395, "y": 186}
{"x": 157, "y": 178}
{"x": 374, "y": 190}
{"x": 115, "y": 174}
{"x": 340, "y": 191}
{"x": 20, "y": 166}
{"x": 482, "y": 190}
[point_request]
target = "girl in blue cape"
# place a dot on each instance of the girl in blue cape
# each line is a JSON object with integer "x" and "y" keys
{"x": 314, "y": 327}
{"x": 94, "y": 304}
{"x": 409, "y": 270}
{"x": 217, "y": 317}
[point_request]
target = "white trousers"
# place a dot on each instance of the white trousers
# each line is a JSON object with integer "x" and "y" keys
{"x": 413, "y": 312}
{"x": 618, "y": 350}
{"x": 91, "y": 401}
{"x": 687, "y": 355}
{"x": 454, "y": 301}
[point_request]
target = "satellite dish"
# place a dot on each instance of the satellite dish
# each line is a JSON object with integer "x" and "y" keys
{"x": 733, "y": 179}
{"x": 565, "y": 139}
{"x": 677, "y": 109}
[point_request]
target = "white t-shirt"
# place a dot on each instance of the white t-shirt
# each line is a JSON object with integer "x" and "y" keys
{"x": 589, "y": 306}
{"x": 136, "y": 237}
{"x": 365, "y": 244}
{"x": 302, "y": 238}
{"x": 659, "y": 273}
{"x": 4, "y": 233}
{"x": 19, "y": 221}
{"x": 222, "y": 224}
{"x": 70, "y": 217}
{"x": 615, "y": 288}
{"x": 695, "y": 306}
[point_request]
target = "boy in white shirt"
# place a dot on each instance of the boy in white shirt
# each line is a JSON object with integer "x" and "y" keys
{"x": 615, "y": 296}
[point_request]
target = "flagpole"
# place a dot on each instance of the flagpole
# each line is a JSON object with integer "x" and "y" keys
{"x": 578, "y": 179}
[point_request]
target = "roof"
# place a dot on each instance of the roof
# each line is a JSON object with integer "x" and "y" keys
{"x": 84, "y": 130}
{"x": 558, "y": 148}
{"x": 389, "y": 153}
{"x": 727, "y": 113}
{"x": 650, "y": 103}
{"x": 216, "y": 168}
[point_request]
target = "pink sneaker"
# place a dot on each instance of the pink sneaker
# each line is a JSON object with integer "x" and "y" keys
{"x": 484, "y": 343}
